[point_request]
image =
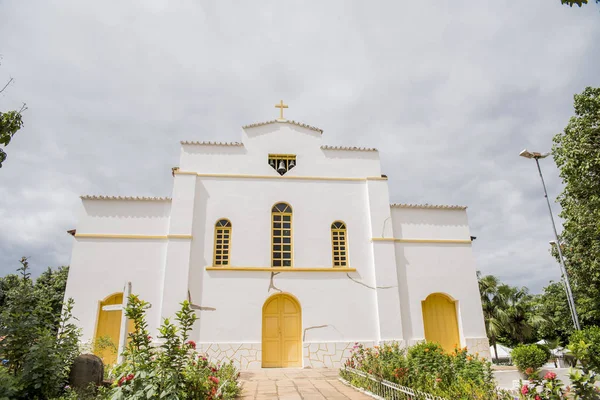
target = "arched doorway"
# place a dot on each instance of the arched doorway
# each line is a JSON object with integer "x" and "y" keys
{"x": 440, "y": 321}
{"x": 108, "y": 328}
{"x": 281, "y": 332}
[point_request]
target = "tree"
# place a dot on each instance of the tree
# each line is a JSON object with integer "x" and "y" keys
{"x": 552, "y": 304}
{"x": 576, "y": 152}
{"x": 493, "y": 312}
{"x": 571, "y": 3}
{"x": 38, "y": 348}
{"x": 10, "y": 123}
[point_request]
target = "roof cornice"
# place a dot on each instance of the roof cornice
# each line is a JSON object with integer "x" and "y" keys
{"x": 126, "y": 198}
{"x": 284, "y": 121}
{"x": 348, "y": 148}
{"x": 430, "y": 206}
{"x": 197, "y": 143}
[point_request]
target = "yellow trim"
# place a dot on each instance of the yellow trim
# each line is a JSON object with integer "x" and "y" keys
{"x": 376, "y": 178}
{"x": 307, "y": 178}
{"x": 282, "y": 236}
{"x": 117, "y": 236}
{"x": 281, "y": 269}
{"x": 447, "y": 241}
{"x": 179, "y": 236}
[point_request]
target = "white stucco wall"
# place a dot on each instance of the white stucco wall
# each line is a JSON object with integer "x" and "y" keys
{"x": 279, "y": 138}
{"x": 427, "y": 268}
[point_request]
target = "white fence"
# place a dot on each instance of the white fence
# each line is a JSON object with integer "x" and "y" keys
{"x": 382, "y": 388}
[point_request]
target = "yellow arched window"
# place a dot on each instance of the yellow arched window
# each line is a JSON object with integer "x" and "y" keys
{"x": 339, "y": 244}
{"x": 281, "y": 224}
{"x": 222, "y": 242}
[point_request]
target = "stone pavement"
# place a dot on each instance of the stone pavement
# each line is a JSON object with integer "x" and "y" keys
{"x": 296, "y": 384}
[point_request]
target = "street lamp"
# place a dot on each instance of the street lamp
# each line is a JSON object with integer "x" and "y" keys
{"x": 536, "y": 156}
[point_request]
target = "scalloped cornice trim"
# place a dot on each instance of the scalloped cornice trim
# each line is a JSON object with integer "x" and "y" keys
{"x": 348, "y": 148}
{"x": 195, "y": 142}
{"x": 443, "y": 207}
{"x": 138, "y": 198}
{"x": 284, "y": 121}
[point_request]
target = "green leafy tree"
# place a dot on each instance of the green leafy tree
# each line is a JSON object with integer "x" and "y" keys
{"x": 10, "y": 123}
{"x": 38, "y": 348}
{"x": 577, "y": 155}
{"x": 552, "y": 304}
{"x": 579, "y": 3}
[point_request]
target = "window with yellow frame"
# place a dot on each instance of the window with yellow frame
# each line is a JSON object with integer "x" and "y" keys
{"x": 222, "y": 242}
{"x": 339, "y": 244}
{"x": 281, "y": 224}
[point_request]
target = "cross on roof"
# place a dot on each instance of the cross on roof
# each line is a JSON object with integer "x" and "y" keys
{"x": 281, "y": 106}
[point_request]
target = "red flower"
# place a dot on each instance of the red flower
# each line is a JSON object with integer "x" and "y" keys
{"x": 524, "y": 389}
{"x": 537, "y": 397}
{"x": 129, "y": 377}
{"x": 121, "y": 381}
{"x": 550, "y": 376}
{"x": 192, "y": 344}
{"x": 214, "y": 379}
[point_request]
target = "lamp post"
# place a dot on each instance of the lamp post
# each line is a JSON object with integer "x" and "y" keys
{"x": 563, "y": 269}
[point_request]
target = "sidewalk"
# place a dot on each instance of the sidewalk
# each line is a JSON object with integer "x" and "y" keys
{"x": 296, "y": 384}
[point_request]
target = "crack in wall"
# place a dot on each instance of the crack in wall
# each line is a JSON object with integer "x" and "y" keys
{"x": 198, "y": 307}
{"x": 317, "y": 327}
{"x": 271, "y": 285}
{"x": 367, "y": 286}
{"x": 312, "y": 327}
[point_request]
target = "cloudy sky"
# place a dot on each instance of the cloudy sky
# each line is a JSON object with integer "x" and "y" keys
{"x": 449, "y": 91}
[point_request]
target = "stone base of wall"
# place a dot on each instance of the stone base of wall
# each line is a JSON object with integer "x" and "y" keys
{"x": 481, "y": 346}
{"x": 249, "y": 355}
{"x": 315, "y": 354}
{"x": 243, "y": 355}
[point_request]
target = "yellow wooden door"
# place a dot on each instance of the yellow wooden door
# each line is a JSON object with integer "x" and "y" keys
{"x": 440, "y": 322}
{"x": 106, "y": 341}
{"x": 281, "y": 337}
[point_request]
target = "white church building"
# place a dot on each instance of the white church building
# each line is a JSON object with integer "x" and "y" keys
{"x": 289, "y": 250}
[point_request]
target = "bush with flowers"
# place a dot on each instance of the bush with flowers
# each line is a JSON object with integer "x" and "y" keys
{"x": 427, "y": 368}
{"x": 171, "y": 369}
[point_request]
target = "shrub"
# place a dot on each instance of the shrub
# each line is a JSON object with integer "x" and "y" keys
{"x": 171, "y": 369}
{"x": 425, "y": 367}
{"x": 585, "y": 345}
{"x": 529, "y": 358}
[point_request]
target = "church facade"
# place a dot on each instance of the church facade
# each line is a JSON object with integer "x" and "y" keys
{"x": 289, "y": 250}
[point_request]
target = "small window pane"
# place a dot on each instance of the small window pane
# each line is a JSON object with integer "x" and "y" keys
{"x": 287, "y": 247}
{"x": 286, "y": 240}
{"x": 277, "y": 232}
{"x": 276, "y": 217}
{"x": 276, "y": 255}
{"x": 277, "y": 263}
{"x": 225, "y": 262}
{"x": 287, "y": 225}
{"x": 287, "y": 255}
{"x": 277, "y": 247}
{"x": 277, "y": 225}
{"x": 287, "y": 217}
{"x": 277, "y": 240}
{"x": 287, "y": 263}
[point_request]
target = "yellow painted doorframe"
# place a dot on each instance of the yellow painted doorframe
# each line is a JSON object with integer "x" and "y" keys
{"x": 281, "y": 332}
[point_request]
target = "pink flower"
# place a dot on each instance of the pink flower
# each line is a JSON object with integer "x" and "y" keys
{"x": 524, "y": 389}
{"x": 550, "y": 376}
{"x": 214, "y": 379}
{"x": 537, "y": 397}
{"x": 192, "y": 344}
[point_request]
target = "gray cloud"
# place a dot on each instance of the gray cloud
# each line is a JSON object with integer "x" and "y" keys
{"x": 450, "y": 93}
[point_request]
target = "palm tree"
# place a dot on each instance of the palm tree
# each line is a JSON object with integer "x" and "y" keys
{"x": 521, "y": 319}
{"x": 493, "y": 309}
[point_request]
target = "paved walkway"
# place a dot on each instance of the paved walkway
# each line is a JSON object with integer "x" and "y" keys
{"x": 296, "y": 384}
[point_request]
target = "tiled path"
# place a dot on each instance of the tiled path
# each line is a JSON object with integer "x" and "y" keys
{"x": 296, "y": 384}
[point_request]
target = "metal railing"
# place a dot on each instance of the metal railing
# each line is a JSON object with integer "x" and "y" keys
{"x": 382, "y": 388}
